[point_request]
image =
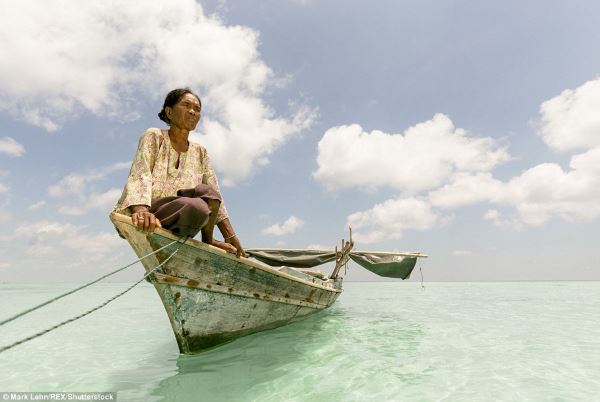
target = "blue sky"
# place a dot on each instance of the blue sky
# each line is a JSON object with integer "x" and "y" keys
{"x": 466, "y": 130}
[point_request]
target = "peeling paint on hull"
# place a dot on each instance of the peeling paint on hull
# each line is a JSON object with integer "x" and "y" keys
{"x": 212, "y": 297}
{"x": 203, "y": 319}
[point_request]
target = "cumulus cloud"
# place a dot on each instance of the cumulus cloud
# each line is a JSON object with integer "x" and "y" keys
{"x": 46, "y": 228}
{"x": 547, "y": 190}
{"x": 245, "y": 143}
{"x": 64, "y": 58}
{"x": 389, "y": 219}
{"x": 571, "y": 120}
{"x": 421, "y": 158}
{"x": 492, "y": 215}
{"x": 37, "y": 205}
{"x": 447, "y": 170}
{"x": 316, "y": 246}
{"x": 98, "y": 244}
{"x": 11, "y": 147}
{"x": 537, "y": 194}
{"x": 76, "y": 184}
{"x": 280, "y": 229}
{"x": 94, "y": 201}
{"x": 466, "y": 189}
{"x": 52, "y": 237}
{"x": 4, "y": 216}
{"x": 498, "y": 219}
{"x": 79, "y": 186}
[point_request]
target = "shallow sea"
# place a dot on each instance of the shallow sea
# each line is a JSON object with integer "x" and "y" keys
{"x": 510, "y": 341}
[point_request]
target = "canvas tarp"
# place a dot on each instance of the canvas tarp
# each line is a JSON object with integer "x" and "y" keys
{"x": 389, "y": 265}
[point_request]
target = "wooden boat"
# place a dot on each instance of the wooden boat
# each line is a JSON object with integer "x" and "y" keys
{"x": 212, "y": 297}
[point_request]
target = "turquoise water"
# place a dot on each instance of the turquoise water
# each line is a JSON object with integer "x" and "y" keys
{"x": 518, "y": 341}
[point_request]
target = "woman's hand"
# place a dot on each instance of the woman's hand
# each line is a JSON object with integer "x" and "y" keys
{"x": 230, "y": 237}
{"x": 144, "y": 219}
{"x": 235, "y": 242}
{"x": 224, "y": 246}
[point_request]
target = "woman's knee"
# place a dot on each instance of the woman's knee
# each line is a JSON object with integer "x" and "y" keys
{"x": 207, "y": 192}
{"x": 197, "y": 207}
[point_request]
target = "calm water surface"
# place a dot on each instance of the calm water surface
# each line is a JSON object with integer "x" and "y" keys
{"x": 520, "y": 341}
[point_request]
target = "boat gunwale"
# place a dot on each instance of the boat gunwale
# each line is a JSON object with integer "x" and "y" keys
{"x": 215, "y": 250}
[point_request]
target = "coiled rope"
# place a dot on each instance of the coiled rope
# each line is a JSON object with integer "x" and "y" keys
{"x": 29, "y": 338}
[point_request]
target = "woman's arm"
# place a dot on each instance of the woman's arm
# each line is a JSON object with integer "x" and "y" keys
{"x": 230, "y": 237}
{"x": 231, "y": 242}
{"x": 137, "y": 194}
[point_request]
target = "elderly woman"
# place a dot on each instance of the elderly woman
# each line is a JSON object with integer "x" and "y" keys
{"x": 171, "y": 183}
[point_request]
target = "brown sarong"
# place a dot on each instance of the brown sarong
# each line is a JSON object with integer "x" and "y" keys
{"x": 186, "y": 213}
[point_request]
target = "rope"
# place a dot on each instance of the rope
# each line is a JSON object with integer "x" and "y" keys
{"x": 5, "y": 348}
{"x": 420, "y": 270}
{"x": 82, "y": 287}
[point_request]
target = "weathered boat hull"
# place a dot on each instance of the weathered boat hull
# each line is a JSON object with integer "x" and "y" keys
{"x": 212, "y": 297}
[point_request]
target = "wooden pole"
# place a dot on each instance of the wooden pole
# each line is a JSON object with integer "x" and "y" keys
{"x": 344, "y": 255}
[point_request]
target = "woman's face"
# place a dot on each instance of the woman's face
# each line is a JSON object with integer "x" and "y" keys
{"x": 185, "y": 114}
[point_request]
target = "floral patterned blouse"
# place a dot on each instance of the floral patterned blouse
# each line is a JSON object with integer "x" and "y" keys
{"x": 154, "y": 172}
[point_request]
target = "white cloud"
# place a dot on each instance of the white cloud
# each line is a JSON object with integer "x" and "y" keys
{"x": 102, "y": 202}
{"x": 46, "y": 228}
{"x": 76, "y": 184}
{"x": 571, "y": 120}
{"x": 11, "y": 147}
{"x": 5, "y": 216}
{"x": 97, "y": 244}
{"x": 66, "y": 58}
{"x": 422, "y": 158}
{"x": 315, "y": 246}
{"x": 462, "y": 253}
{"x": 244, "y": 144}
{"x": 289, "y": 226}
{"x": 56, "y": 238}
{"x": 537, "y": 194}
{"x": 492, "y": 215}
{"x": 546, "y": 190}
{"x": 456, "y": 170}
{"x": 3, "y": 188}
{"x": 36, "y": 206}
{"x": 389, "y": 219}
{"x": 498, "y": 219}
{"x": 436, "y": 166}
{"x": 81, "y": 197}
{"x": 466, "y": 189}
